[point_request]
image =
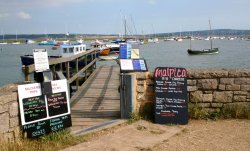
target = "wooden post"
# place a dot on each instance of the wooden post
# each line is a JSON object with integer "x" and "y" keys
{"x": 26, "y": 73}
{"x": 77, "y": 70}
{"x": 86, "y": 62}
{"x": 67, "y": 70}
{"x": 54, "y": 71}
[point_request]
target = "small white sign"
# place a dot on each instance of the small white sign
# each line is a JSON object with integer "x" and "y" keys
{"x": 126, "y": 64}
{"x": 41, "y": 60}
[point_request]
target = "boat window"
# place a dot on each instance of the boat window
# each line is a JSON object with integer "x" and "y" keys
{"x": 71, "y": 50}
{"x": 80, "y": 48}
{"x": 64, "y": 50}
{"x": 77, "y": 49}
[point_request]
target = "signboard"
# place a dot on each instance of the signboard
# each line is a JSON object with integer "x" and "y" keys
{"x": 125, "y": 51}
{"x": 41, "y": 60}
{"x": 135, "y": 52}
{"x": 171, "y": 106}
{"x": 42, "y": 114}
{"x": 133, "y": 65}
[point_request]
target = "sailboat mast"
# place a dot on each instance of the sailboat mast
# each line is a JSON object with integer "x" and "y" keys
{"x": 125, "y": 27}
{"x": 210, "y": 34}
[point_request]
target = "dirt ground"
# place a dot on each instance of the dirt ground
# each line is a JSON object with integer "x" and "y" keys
{"x": 197, "y": 135}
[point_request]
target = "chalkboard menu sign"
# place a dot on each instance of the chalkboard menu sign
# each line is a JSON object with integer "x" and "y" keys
{"x": 57, "y": 103}
{"x": 34, "y": 108}
{"x": 46, "y": 126}
{"x": 44, "y": 113}
{"x": 171, "y": 106}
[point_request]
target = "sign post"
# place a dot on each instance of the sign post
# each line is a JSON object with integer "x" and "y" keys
{"x": 171, "y": 106}
{"x": 44, "y": 106}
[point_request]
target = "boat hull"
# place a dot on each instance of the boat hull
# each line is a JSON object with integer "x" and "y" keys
{"x": 203, "y": 51}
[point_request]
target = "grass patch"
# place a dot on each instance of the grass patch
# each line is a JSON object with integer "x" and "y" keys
{"x": 134, "y": 117}
{"x": 51, "y": 142}
{"x": 228, "y": 111}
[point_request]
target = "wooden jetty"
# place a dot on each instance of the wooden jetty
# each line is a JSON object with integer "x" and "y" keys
{"x": 97, "y": 100}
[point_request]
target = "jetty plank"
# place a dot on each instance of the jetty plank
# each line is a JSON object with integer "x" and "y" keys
{"x": 98, "y": 99}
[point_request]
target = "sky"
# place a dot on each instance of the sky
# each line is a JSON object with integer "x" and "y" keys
{"x": 108, "y": 16}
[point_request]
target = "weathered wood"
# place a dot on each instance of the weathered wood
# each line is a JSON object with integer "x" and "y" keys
{"x": 98, "y": 98}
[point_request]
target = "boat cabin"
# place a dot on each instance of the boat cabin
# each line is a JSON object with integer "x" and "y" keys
{"x": 72, "y": 49}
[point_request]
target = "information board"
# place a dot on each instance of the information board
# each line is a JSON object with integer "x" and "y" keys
{"x": 40, "y": 112}
{"x": 133, "y": 65}
{"x": 41, "y": 60}
{"x": 171, "y": 106}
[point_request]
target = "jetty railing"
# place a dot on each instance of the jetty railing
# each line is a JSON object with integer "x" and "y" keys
{"x": 72, "y": 74}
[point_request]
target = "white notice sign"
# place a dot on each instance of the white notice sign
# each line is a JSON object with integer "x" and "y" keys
{"x": 41, "y": 60}
{"x": 126, "y": 64}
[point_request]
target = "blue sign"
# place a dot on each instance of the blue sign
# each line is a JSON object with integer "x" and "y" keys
{"x": 125, "y": 51}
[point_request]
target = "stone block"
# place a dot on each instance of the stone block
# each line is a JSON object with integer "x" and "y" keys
{"x": 242, "y": 81}
{"x": 14, "y": 122}
{"x": 140, "y": 82}
{"x": 3, "y": 108}
{"x": 4, "y": 99}
{"x": 191, "y": 88}
{"x": 207, "y": 73}
{"x": 191, "y": 82}
{"x": 237, "y": 104}
{"x": 239, "y": 98}
{"x": 226, "y": 96}
{"x": 208, "y": 92}
{"x": 248, "y": 94}
{"x": 222, "y": 87}
{"x": 150, "y": 82}
{"x": 150, "y": 75}
{"x": 203, "y": 105}
{"x": 226, "y": 80}
{"x": 14, "y": 109}
{"x": 245, "y": 87}
{"x": 140, "y": 89}
{"x": 239, "y": 73}
{"x": 233, "y": 87}
{"x": 196, "y": 96}
{"x": 216, "y": 105}
{"x": 207, "y": 84}
{"x": 141, "y": 76}
{"x": 4, "y": 122}
{"x": 240, "y": 92}
{"x": 207, "y": 98}
{"x": 141, "y": 97}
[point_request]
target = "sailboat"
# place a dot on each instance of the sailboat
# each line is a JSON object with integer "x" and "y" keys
{"x": 210, "y": 50}
{"x": 3, "y": 43}
{"x": 16, "y": 42}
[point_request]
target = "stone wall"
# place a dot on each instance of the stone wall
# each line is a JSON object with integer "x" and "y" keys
{"x": 9, "y": 113}
{"x": 211, "y": 89}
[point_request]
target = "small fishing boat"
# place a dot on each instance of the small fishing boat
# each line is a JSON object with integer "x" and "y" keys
{"x": 211, "y": 50}
{"x": 203, "y": 51}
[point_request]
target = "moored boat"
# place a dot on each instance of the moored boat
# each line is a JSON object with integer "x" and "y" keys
{"x": 203, "y": 51}
{"x": 66, "y": 50}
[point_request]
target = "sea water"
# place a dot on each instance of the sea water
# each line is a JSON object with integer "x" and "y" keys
{"x": 232, "y": 54}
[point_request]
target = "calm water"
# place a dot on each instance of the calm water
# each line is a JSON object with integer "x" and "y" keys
{"x": 233, "y": 54}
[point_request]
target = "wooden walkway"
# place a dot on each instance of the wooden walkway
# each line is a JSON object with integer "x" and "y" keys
{"x": 97, "y": 100}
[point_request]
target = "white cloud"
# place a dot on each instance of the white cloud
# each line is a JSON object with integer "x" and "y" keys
{"x": 4, "y": 15}
{"x": 23, "y": 15}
